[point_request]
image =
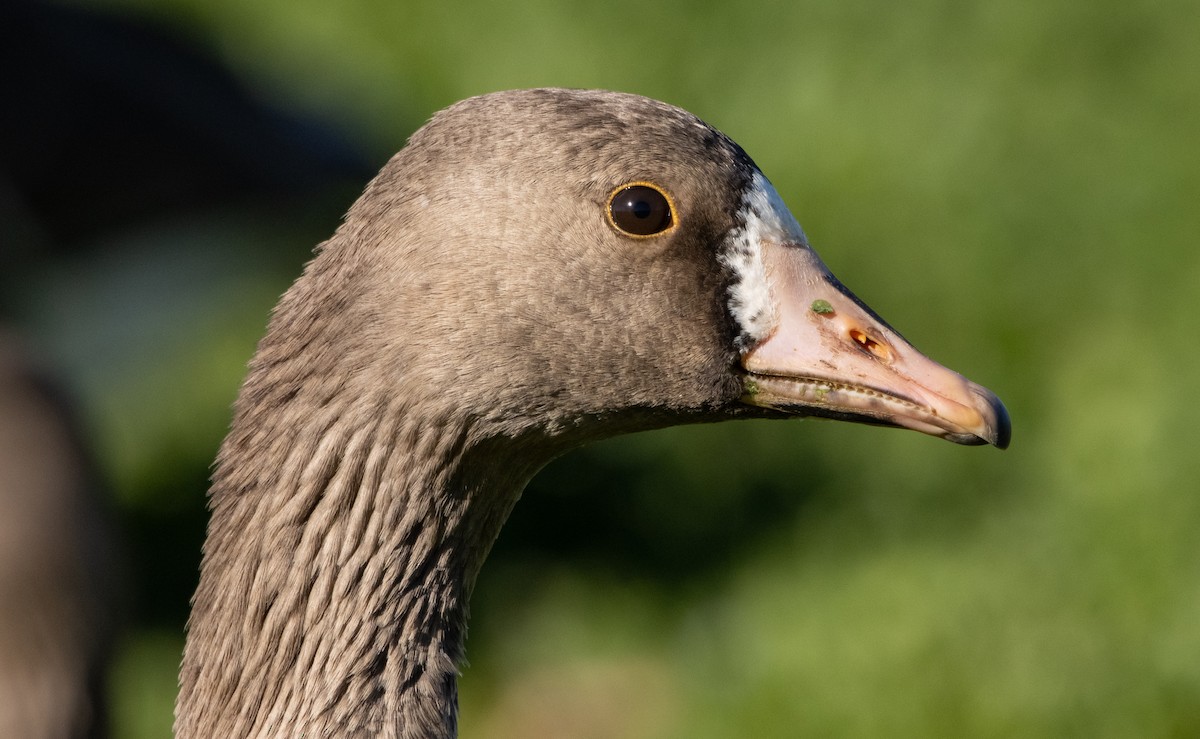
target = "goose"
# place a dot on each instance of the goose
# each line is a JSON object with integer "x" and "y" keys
{"x": 60, "y": 571}
{"x": 533, "y": 271}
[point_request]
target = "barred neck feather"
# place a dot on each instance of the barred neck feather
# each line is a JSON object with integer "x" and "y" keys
{"x": 351, "y": 594}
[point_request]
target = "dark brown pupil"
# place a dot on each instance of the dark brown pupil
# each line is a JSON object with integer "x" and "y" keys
{"x": 640, "y": 210}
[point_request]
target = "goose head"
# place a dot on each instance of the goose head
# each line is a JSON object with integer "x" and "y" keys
{"x": 577, "y": 264}
{"x": 534, "y": 270}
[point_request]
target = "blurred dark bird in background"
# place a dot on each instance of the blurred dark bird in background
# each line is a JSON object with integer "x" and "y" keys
{"x": 59, "y": 582}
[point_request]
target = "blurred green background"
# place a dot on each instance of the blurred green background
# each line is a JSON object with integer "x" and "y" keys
{"x": 1015, "y": 186}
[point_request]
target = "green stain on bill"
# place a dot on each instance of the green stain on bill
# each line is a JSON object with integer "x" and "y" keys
{"x": 822, "y": 307}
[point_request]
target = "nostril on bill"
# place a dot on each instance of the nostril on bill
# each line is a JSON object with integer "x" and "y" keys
{"x": 880, "y": 351}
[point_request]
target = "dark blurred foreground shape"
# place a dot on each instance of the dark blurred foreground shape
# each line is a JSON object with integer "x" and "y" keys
{"x": 110, "y": 122}
{"x": 59, "y": 588}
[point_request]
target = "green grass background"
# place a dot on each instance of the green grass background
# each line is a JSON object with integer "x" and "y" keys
{"x": 1015, "y": 186}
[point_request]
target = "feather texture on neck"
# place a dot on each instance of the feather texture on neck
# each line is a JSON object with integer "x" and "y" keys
{"x": 369, "y": 526}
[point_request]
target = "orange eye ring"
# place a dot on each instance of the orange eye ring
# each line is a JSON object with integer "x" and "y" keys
{"x": 640, "y": 210}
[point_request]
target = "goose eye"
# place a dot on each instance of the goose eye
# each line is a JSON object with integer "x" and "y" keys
{"x": 640, "y": 210}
